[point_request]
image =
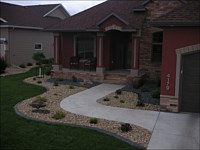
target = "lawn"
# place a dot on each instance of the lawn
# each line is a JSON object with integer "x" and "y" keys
{"x": 19, "y": 133}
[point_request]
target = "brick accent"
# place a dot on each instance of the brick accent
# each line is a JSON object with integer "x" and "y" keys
{"x": 169, "y": 104}
{"x": 155, "y": 8}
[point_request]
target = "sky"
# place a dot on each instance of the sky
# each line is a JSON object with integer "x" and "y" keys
{"x": 72, "y": 6}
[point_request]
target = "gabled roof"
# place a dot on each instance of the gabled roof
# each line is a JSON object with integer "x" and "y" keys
{"x": 27, "y": 16}
{"x": 147, "y": 1}
{"x": 186, "y": 15}
{"x": 90, "y": 19}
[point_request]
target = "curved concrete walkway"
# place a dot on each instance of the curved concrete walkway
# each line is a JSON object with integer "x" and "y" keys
{"x": 84, "y": 103}
{"x": 170, "y": 130}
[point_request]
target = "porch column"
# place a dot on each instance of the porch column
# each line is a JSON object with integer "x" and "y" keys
{"x": 135, "y": 56}
{"x": 100, "y": 64}
{"x": 57, "y": 49}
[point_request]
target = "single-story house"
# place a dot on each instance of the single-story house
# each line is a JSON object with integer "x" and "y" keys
{"x": 117, "y": 33}
{"x": 180, "y": 77}
{"x": 126, "y": 42}
{"x": 22, "y": 31}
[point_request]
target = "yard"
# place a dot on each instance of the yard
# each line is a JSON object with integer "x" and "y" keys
{"x": 19, "y": 133}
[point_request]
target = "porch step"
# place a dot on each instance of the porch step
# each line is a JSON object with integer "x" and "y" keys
{"x": 115, "y": 78}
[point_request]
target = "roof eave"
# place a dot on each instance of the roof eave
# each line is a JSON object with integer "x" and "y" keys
{"x": 176, "y": 24}
{"x": 21, "y": 27}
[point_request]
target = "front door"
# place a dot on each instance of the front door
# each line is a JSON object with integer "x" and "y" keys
{"x": 119, "y": 51}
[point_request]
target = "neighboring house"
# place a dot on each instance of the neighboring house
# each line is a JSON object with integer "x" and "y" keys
{"x": 117, "y": 33}
{"x": 180, "y": 78}
{"x": 22, "y": 31}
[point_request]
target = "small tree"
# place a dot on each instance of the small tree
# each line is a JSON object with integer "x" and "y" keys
{"x": 3, "y": 65}
{"x": 38, "y": 57}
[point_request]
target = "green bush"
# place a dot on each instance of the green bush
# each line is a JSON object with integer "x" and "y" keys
{"x": 116, "y": 96}
{"x": 55, "y": 83}
{"x": 41, "y": 99}
{"x": 22, "y": 66}
{"x": 59, "y": 79}
{"x": 71, "y": 87}
{"x": 106, "y": 99}
{"x": 155, "y": 93}
{"x": 29, "y": 64}
{"x": 38, "y": 57}
{"x": 122, "y": 101}
{"x": 58, "y": 115}
{"x": 48, "y": 69}
{"x": 3, "y": 65}
{"x": 39, "y": 82}
{"x": 93, "y": 120}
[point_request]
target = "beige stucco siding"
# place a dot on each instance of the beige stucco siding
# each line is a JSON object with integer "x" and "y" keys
{"x": 22, "y": 45}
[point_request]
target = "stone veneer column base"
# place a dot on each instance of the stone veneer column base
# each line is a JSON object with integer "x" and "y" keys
{"x": 169, "y": 103}
{"x": 100, "y": 70}
{"x": 57, "y": 67}
{"x": 134, "y": 72}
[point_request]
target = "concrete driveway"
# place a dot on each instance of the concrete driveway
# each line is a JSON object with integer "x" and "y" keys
{"x": 169, "y": 130}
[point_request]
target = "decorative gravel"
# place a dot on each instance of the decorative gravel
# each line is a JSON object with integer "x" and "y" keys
{"x": 126, "y": 100}
{"x": 56, "y": 94}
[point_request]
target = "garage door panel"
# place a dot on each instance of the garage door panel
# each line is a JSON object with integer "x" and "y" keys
{"x": 190, "y": 80}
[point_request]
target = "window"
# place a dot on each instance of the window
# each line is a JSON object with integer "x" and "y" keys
{"x": 3, "y": 43}
{"x": 38, "y": 46}
{"x": 157, "y": 39}
{"x": 85, "y": 46}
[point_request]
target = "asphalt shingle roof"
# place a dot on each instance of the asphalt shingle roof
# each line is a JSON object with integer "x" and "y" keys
{"x": 29, "y": 16}
{"x": 90, "y": 18}
{"x": 186, "y": 15}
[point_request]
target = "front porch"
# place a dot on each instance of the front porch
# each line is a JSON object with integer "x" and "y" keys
{"x": 114, "y": 76}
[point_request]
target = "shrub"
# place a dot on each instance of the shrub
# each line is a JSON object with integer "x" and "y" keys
{"x": 126, "y": 127}
{"x": 116, "y": 96}
{"x": 106, "y": 99}
{"x": 145, "y": 89}
{"x": 122, "y": 101}
{"x": 118, "y": 92}
{"x": 71, "y": 87}
{"x": 29, "y": 64}
{"x": 55, "y": 83}
{"x": 59, "y": 79}
{"x": 22, "y": 66}
{"x": 58, "y": 115}
{"x": 39, "y": 82}
{"x": 48, "y": 69}
{"x": 93, "y": 120}
{"x": 38, "y": 57}
{"x": 74, "y": 79}
{"x": 34, "y": 78}
{"x": 155, "y": 93}
{"x": 40, "y": 99}
{"x": 3, "y": 65}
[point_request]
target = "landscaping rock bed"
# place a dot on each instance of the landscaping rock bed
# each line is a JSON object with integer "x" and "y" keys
{"x": 78, "y": 82}
{"x": 56, "y": 94}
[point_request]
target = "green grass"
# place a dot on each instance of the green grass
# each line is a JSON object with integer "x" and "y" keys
{"x": 18, "y": 133}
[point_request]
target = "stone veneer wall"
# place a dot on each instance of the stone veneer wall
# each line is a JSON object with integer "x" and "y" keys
{"x": 155, "y": 8}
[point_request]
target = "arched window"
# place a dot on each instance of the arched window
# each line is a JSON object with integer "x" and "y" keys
{"x": 85, "y": 46}
{"x": 157, "y": 39}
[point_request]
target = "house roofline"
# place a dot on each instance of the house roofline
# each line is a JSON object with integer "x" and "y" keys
{"x": 176, "y": 24}
{"x": 147, "y": 1}
{"x": 21, "y": 27}
{"x": 59, "y": 5}
{"x": 3, "y": 20}
{"x": 115, "y": 15}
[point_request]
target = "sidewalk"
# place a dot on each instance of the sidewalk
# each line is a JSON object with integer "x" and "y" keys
{"x": 84, "y": 103}
{"x": 169, "y": 130}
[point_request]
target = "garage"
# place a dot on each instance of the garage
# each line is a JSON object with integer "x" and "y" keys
{"x": 190, "y": 83}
